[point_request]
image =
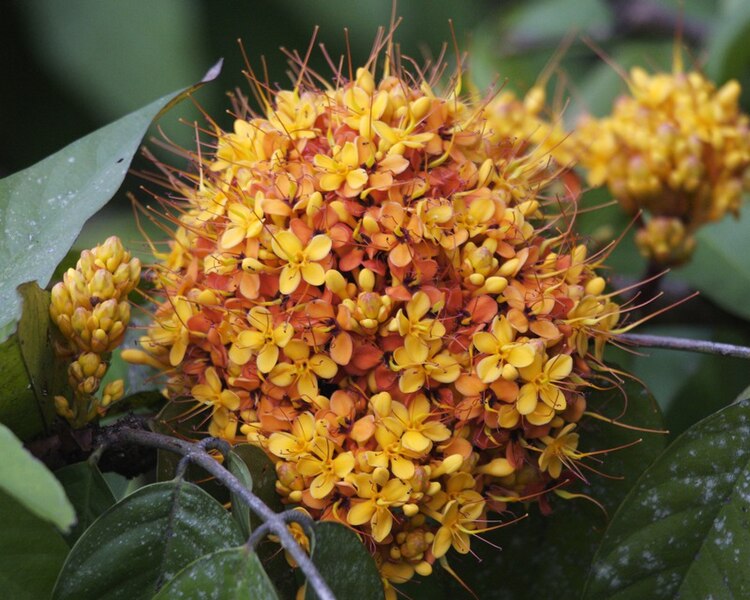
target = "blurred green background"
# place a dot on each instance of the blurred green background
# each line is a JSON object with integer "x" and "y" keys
{"x": 71, "y": 66}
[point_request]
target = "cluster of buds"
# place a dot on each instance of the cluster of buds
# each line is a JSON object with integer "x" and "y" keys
{"x": 368, "y": 283}
{"x": 91, "y": 310}
{"x": 676, "y": 148}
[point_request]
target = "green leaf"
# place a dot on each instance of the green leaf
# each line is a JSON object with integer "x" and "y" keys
{"x": 728, "y": 52}
{"x": 31, "y": 552}
{"x": 230, "y": 574}
{"x": 263, "y": 475}
{"x": 240, "y": 510}
{"x": 562, "y": 544}
{"x": 683, "y": 531}
{"x": 26, "y": 404}
{"x": 344, "y": 563}
{"x": 27, "y": 480}
{"x": 143, "y": 541}
{"x": 87, "y": 491}
{"x": 719, "y": 268}
{"x": 67, "y": 188}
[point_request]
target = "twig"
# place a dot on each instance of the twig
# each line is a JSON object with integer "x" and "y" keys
{"x": 673, "y": 343}
{"x": 276, "y": 523}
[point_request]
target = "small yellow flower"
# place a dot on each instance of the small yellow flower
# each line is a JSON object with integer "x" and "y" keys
{"x": 558, "y": 450}
{"x": 541, "y": 382}
{"x": 504, "y": 356}
{"x": 422, "y": 362}
{"x": 301, "y": 261}
{"x": 291, "y": 446}
{"x": 212, "y": 394}
{"x": 343, "y": 169}
{"x": 265, "y": 340}
{"x": 379, "y": 494}
{"x": 413, "y": 326}
{"x": 418, "y": 433}
{"x": 325, "y": 469}
{"x": 304, "y": 370}
{"x": 245, "y": 222}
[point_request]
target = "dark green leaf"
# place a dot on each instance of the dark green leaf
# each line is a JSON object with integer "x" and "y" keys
{"x": 67, "y": 188}
{"x": 18, "y": 406}
{"x": 143, "y": 541}
{"x": 88, "y": 492}
{"x": 344, "y": 563}
{"x": 561, "y": 545}
{"x": 240, "y": 510}
{"x": 728, "y": 51}
{"x": 230, "y": 574}
{"x": 26, "y": 405}
{"x": 263, "y": 475}
{"x": 719, "y": 268}
{"x": 27, "y": 480}
{"x": 684, "y": 529}
{"x": 31, "y": 552}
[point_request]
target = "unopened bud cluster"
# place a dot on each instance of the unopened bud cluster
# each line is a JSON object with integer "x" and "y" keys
{"x": 91, "y": 310}
{"x": 676, "y": 147}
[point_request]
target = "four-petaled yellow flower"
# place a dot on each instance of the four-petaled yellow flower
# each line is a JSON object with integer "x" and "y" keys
{"x": 245, "y": 222}
{"x": 422, "y": 362}
{"x": 304, "y": 370}
{"x": 558, "y": 450}
{"x": 212, "y": 394}
{"x": 265, "y": 340}
{"x": 542, "y": 382}
{"x": 413, "y": 326}
{"x": 343, "y": 168}
{"x": 292, "y": 446}
{"x": 418, "y": 433}
{"x": 325, "y": 469}
{"x": 504, "y": 356}
{"x": 379, "y": 494}
{"x": 301, "y": 261}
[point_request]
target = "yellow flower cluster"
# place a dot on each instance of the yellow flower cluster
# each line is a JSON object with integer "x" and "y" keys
{"x": 676, "y": 147}
{"x": 91, "y": 310}
{"x": 368, "y": 283}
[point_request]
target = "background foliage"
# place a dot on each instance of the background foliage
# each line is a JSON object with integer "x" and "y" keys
{"x": 72, "y": 67}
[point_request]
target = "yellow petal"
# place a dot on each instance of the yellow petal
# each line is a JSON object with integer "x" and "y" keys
{"x": 488, "y": 369}
{"x": 522, "y": 355}
{"x": 442, "y": 542}
{"x": 527, "y": 399}
{"x": 343, "y": 464}
{"x": 232, "y": 237}
{"x": 267, "y": 358}
{"x": 411, "y": 380}
{"x": 381, "y": 524}
{"x": 402, "y": 467}
{"x": 289, "y": 279}
{"x": 485, "y": 342}
{"x": 418, "y": 306}
{"x": 318, "y": 248}
{"x": 360, "y": 512}
{"x": 323, "y": 366}
{"x": 416, "y": 442}
{"x": 559, "y": 366}
{"x": 322, "y": 485}
{"x": 286, "y": 245}
{"x": 357, "y": 179}
{"x": 313, "y": 273}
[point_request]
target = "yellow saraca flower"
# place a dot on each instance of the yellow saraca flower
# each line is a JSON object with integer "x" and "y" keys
{"x": 413, "y": 326}
{"x": 325, "y": 469}
{"x": 418, "y": 433}
{"x": 379, "y": 494}
{"x": 457, "y": 522}
{"x": 504, "y": 356}
{"x": 212, "y": 394}
{"x": 342, "y": 169}
{"x": 559, "y": 450}
{"x": 418, "y": 363}
{"x": 244, "y": 223}
{"x": 171, "y": 332}
{"x": 301, "y": 261}
{"x": 291, "y": 446}
{"x": 541, "y": 383}
{"x": 264, "y": 341}
{"x": 304, "y": 370}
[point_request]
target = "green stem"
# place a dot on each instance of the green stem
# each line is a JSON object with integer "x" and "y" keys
{"x": 673, "y": 343}
{"x": 274, "y": 522}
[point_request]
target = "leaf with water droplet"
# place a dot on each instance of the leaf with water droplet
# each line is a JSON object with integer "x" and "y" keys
{"x": 684, "y": 529}
{"x": 143, "y": 541}
{"x": 44, "y": 207}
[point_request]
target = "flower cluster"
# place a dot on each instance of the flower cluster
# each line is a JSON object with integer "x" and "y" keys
{"x": 90, "y": 308}
{"x": 676, "y": 147}
{"x": 368, "y": 283}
